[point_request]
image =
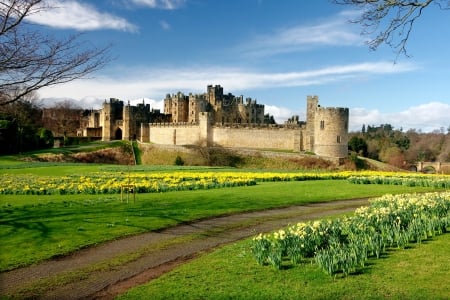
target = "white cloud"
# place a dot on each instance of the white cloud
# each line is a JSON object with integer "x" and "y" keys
{"x": 333, "y": 32}
{"x": 155, "y": 83}
{"x": 426, "y": 117}
{"x": 281, "y": 114}
{"x": 71, "y": 14}
{"x": 163, "y": 4}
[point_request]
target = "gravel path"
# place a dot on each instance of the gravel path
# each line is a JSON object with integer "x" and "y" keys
{"x": 159, "y": 252}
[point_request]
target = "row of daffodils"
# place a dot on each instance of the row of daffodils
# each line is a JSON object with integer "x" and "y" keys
{"x": 148, "y": 182}
{"x": 342, "y": 246}
{"x": 112, "y": 183}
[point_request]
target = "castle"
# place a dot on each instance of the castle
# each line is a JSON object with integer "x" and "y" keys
{"x": 216, "y": 119}
{"x": 223, "y": 108}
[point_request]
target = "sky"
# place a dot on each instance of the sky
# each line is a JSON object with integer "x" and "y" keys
{"x": 277, "y": 52}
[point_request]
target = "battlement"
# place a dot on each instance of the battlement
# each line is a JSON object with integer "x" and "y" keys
{"x": 331, "y": 109}
{"x": 115, "y": 101}
{"x": 259, "y": 126}
{"x": 174, "y": 125}
{"x": 215, "y": 118}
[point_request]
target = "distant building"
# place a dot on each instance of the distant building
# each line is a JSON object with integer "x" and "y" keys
{"x": 116, "y": 121}
{"x": 215, "y": 119}
{"x": 223, "y": 108}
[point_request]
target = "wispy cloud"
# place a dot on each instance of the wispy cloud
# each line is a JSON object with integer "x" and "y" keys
{"x": 164, "y": 25}
{"x": 156, "y": 83}
{"x": 71, "y": 14}
{"x": 332, "y": 32}
{"x": 134, "y": 83}
{"x": 162, "y": 4}
{"x": 427, "y": 117}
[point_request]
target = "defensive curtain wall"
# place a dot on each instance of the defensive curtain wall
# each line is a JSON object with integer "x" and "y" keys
{"x": 325, "y": 133}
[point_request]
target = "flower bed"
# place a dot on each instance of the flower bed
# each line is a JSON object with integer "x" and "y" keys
{"x": 344, "y": 245}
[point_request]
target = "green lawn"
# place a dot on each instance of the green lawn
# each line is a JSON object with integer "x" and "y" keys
{"x": 51, "y": 225}
{"x": 231, "y": 272}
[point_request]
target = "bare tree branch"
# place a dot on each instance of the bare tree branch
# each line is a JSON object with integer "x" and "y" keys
{"x": 391, "y": 21}
{"x": 30, "y": 60}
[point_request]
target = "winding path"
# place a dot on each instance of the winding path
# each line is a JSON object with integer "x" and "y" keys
{"x": 96, "y": 273}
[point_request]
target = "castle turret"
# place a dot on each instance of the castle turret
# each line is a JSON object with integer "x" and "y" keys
{"x": 312, "y": 103}
{"x": 331, "y": 132}
{"x": 127, "y": 122}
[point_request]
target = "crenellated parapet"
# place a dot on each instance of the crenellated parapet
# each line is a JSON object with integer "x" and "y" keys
{"x": 218, "y": 119}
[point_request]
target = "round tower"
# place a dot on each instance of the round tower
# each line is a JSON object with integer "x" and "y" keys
{"x": 331, "y": 132}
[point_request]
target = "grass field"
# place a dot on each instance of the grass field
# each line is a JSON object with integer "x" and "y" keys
{"x": 53, "y": 225}
{"x": 45, "y": 222}
{"x": 419, "y": 272}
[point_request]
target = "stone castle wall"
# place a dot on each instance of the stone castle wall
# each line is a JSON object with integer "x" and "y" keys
{"x": 240, "y": 137}
{"x": 174, "y": 133}
{"x": 256, "y": 137}
{"x": 325, "y": 132}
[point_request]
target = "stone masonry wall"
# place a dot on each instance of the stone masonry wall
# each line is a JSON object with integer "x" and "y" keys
{"x": 174, "y": 134}
{"x": 262, "y": 138}
{"x": 331, "y": 132}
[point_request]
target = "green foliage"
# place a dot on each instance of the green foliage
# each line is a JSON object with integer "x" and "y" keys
{"x": 399, "y": 148}
{"x": 137, "y": 153}
{"x": 359, "y": 163}
{"x": 358, "y": 145}
{"x": 179, "y": 161}
{"x": 45, "y": 138}
{"x": 422, "y": 181}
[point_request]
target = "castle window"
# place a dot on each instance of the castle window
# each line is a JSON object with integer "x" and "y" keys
{"x": 322, "y": 124}
{"x": 338, "y": 139}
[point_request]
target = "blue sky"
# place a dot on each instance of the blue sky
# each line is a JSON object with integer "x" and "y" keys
{"x": 276, "y": 52}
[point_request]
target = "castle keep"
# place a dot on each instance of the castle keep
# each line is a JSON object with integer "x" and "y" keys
{"x": 222, "y": 108}
{"x": 216, "y": 119}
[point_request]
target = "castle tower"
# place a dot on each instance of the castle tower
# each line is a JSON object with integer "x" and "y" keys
{"x": 215, "y": 94}
{"x": 312, "y": 103}
{"x": 107, "y": 116}
{"x": 111, "y": 115}
{"x": 205, "y": 129}
{"x": 127, "y": 122}
{"x": 331, "y": 132}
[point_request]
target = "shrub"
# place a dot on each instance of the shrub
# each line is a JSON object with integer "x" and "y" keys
{"x": 179, "y": 161}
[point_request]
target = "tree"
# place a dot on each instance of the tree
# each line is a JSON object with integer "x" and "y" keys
{"x": 30, "y": 60}
{"x": 63, "y": 118}
{"x": 23, "y": 119}
{"x": 391, "y": 21}
{"x": 358, "y": 145}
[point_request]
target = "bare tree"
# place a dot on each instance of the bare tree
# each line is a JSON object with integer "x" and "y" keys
{"x": 391, "y": 21}
{"x": 30, "y": 60}
{"x": 63, "y": 118}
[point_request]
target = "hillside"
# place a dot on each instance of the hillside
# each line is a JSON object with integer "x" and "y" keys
{"x": 398, "y": 148}
{"x": 121, "y": 153}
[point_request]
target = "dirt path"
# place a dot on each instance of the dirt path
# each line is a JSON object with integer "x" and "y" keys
{"x": 107, "y": 270}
